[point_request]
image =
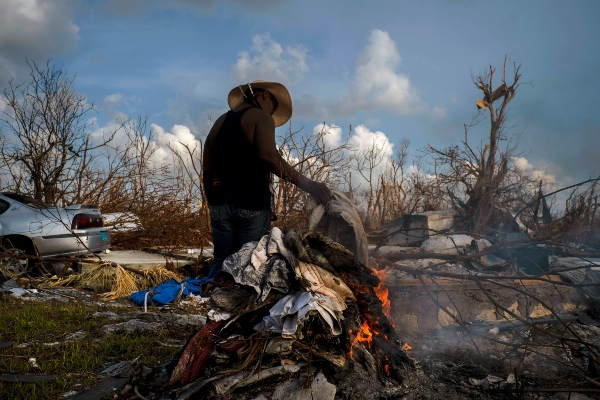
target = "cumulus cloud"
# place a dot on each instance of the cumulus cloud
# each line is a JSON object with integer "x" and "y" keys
{"x": 268, "y": 60}
{"x": 377, "y": 82}
{"x": 363, "y": 139}
{"x": 117, "y": 100}
{"x": 361, "y": 142}
{"x": 332, "y": 135}
{"x": 34, "y": 29}
{"x": 523, "y": 165}
{"x": 365, "y": 144}
{"x": 160, "y": 146}
{"x": 179, "y": 136}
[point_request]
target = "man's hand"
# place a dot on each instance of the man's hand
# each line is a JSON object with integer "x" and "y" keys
{"x": 319, "y": 191}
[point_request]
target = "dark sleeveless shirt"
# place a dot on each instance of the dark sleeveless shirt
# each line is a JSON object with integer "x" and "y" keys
{"x": 239, "y": 177}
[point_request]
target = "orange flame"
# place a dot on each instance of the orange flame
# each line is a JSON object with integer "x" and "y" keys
{"x": 387, "y": 370}
{"x": 407, "y": 347}
{"x": 386, "y": 367}
{"x": 365, "y": 335}
{"x": 382, "y": 293}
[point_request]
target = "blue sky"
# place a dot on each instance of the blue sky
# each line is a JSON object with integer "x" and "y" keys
{"x": 400, "y": 68}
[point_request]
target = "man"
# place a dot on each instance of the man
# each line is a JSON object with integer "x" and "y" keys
{"x": 239, "y": 156}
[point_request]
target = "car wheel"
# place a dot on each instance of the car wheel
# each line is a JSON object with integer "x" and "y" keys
{"x": 15, "y": 256}
{"x": 13, "y": 262}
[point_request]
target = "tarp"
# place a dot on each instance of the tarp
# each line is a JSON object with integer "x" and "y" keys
{"x": 166, "y": 292}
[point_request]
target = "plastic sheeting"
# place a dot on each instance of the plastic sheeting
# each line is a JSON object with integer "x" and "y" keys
{"x": 167, "y": 292}
{"x": 273, "y": 274}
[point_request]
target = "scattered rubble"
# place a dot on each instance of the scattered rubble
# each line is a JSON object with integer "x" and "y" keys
{"x": 298, "y": 316}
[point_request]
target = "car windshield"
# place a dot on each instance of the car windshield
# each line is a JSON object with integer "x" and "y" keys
{"x": 30, "y": 201}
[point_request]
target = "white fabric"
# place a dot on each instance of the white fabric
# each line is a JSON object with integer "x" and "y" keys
{"x": 219, "y": 315}
{"x": 290, "y": 313}
{"x": 270, "y": 245}
{"x": 316, "y": 279}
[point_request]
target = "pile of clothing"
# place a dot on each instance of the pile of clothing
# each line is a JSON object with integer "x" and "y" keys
{"x": 283, "y": 287}
{"x": 290, "y": 300}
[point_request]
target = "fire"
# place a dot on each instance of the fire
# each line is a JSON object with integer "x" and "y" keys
{"x": 382, "y": 293}
{"x": 365, "y": 335}
{"x": 407, "y": 347}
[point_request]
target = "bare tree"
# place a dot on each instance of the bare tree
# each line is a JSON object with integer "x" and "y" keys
{"x": 391, "y": 192}
{"x": 49, "y": 142}
{"x": 365, "y": 162}
{"x": 480, "y": 181}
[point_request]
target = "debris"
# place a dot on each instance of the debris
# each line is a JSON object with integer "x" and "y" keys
{"x": 219, "y": 315}
{"x": 194, "y": 358}
{"x": 132, "y": 326}
{"x": 510, "y": 379}
{"x": 413, "y": 229}
{"x": 27, "y": 378}
{"x": 272, "y": 275}
{"x": 450, "y": 244}
{"x": 241, "y": 380}
{"x": 33, "y": 362}
{"x": 319, "y": 389}
{"x": 103, "y": 388}
{"x": 291, "y": 313}
{"x": 116, "y": 369}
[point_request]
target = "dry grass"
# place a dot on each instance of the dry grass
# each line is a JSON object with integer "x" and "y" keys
{"x": 112, "y": 281}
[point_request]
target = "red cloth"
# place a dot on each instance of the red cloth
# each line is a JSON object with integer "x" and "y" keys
{"x": 193, "y": 360}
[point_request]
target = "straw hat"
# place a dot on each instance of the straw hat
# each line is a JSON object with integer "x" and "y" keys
{"x": 282, "y": 113}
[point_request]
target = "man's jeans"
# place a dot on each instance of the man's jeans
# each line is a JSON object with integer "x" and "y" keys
{"x": 232, "y": 227}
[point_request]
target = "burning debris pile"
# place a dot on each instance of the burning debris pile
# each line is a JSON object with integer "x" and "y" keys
{"x": 292, "y": 304}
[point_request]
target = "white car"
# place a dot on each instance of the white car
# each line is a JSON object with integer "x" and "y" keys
{"x": 33, "y": 228}
{"x": 122, "y": 221}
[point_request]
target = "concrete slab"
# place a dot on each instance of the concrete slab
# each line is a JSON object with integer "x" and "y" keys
{"x": 135, "y": 259}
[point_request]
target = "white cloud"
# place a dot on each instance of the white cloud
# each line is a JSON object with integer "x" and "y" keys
{"x": 377, "y": 83}
{"x": 117, "y": 104}
{"x": 332, "y": 135}
{"x": 523, "y": 165}
{"x": 374, "y": 151}
{"x": 361, "y": 142}
{"x": 268, "y": 60}
{"x": 179, "y": 136}
{"x": 363, "y": 139}
{"x": 34, "y": 29}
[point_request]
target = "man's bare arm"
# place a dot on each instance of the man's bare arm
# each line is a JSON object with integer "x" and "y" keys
{"x": 264, "y": 140}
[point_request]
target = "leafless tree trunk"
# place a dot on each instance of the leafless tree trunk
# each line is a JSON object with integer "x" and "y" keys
{"x": 480, "y": 181}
